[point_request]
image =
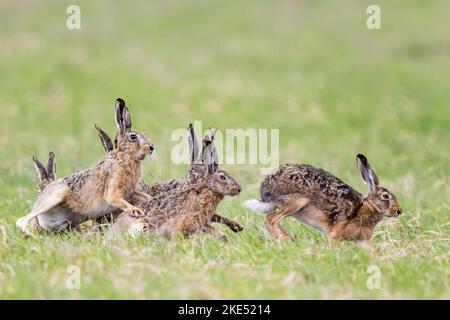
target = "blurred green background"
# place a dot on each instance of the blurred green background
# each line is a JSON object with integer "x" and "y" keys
{"x": 309, "y": 68}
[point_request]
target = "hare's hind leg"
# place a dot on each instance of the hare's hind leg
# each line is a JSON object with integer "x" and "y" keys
{"x": 290, "y": 205}
{"x": 45, "y": 202}
{"x": 233, "y": 225}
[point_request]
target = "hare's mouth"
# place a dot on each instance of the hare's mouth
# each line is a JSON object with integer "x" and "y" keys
{"x": 394, "y": 214}
{"x": 235, "y": 191}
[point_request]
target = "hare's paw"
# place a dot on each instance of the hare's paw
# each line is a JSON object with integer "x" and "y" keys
{"x": 23, "y": 226}
{"x": 236, "y": 227}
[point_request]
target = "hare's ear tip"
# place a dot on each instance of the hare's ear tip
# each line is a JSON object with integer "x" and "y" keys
{"x": 96, "y": 126}
{"x": 190, "y": 125}
{"x": 51, "y": 154}
{"x": 361, "y": 157}
{"x": 120, "y": 101}
{"x": 34, "y": 158}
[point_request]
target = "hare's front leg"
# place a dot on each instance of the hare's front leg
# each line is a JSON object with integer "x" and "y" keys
{"x": 140, "y": 196}
{"x": 214, "y": 232}
{"x": 233, "y": 225}
{"x": 115, "y": 197}
{"x": 291, "y": 205}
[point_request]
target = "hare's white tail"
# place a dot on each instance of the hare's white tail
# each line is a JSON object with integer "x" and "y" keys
{"x": 259, "y": 206}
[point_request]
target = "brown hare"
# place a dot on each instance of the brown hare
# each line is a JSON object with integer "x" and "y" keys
{"x": 161, "y": 188}
{"x": 189, "y": 208}
{"x": 105, "y": 188}
{"x": 324, "y": 202}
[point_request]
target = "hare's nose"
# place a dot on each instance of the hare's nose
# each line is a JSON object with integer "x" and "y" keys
{"x": 239, "y": 190}
{"x": 399, "y": 211}
{"x": 151, "y": 149}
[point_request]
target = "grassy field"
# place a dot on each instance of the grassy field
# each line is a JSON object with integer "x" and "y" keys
{"x": 311, "y": 69}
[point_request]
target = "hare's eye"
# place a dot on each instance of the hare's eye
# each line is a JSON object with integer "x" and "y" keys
{"x": 133, "y": 137}
{"x": 386, "y": 196}
{"x": 222, "y": 177}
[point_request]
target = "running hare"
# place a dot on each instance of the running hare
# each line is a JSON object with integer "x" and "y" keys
{"x": 105, "y": 188}
{"x": 161, "y": 188}
{"x": 323, "y": 201}
{"x": 189, "y": 208}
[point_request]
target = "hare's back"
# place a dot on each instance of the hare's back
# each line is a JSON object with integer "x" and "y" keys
{"x": 166, "y": 205}
{"x": 159, "y": 188}
{"x": 77, "y": 181}
{"x": 325, "y": 190}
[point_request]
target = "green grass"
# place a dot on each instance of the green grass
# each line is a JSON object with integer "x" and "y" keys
{"x": 310, "y": 69}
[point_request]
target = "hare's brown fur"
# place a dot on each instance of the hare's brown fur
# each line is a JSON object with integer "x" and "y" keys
{"x": 189, "y": 206}
{"x": 113, "y": 179}
{"x": 185, "y": 210}
{"x": 325, "y": 202}
{"x": 105, "y": 188}
{"x": 331, "y": 194}
{"x": 161, "y": 189}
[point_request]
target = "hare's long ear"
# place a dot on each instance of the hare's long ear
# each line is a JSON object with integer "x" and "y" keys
{"x": 209, "y": 153}
{"x": 126, "y": 118}
{"x": 193, "y": 144}
{"x": 105, "y": 139}
{"x": 214, "y": 156}
{"x": 116, "y": 142}
{"x": 120, "y": 106}
{"x": 51, "y": 167}
{"x": 368, "y": 175}
{"x": 207, "y": 158}
{"x": 40, "y": 168}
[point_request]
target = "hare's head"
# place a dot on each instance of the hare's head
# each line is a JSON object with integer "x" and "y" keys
{"x": 379, "y": 197}
{"x": 223, "y": 183}
{"x": 204, "y": 167}
{"x": 127, "y": 139}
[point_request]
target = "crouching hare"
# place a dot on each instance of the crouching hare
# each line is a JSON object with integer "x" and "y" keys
{"x": 324, "y": 202}
{"x": 161, "y": 189}
{"x": 189, "y": 208}
{"x": 105, "y": 188}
